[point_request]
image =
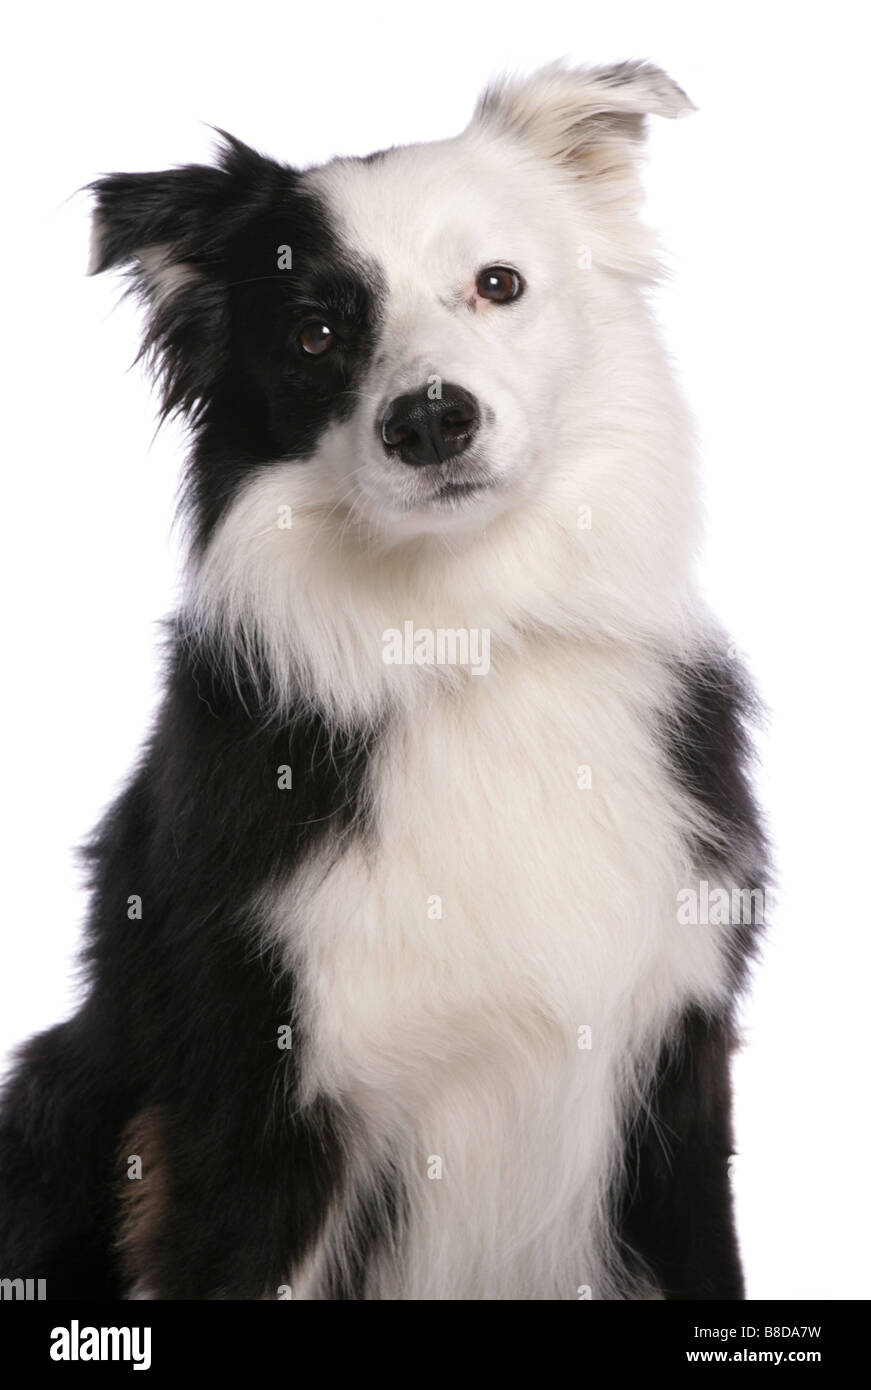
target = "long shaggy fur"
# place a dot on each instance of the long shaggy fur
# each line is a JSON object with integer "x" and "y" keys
{"x": 391, "y": 991}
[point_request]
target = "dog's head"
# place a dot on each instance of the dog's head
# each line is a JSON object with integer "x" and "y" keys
{"x": 411, "y": 377}
{"x": 408, "y": 326}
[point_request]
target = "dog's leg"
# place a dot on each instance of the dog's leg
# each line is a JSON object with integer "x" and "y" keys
{"x": 237, "y": 1172}
{"x": 236, "y": 1207}
{"x": 61, "y": 1121}
{"x": 677, "y": 1209}
{"x": 238, "y": 1175}
{"x": 233, "y": 1179}
{"x": 75, "y": 1087}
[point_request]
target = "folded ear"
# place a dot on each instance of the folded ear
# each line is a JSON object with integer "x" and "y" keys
{"x": 589, "y": 120}
{"x": 171, "y": 232}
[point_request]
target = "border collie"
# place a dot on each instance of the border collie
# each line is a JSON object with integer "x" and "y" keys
{"x": 395, "y": 987}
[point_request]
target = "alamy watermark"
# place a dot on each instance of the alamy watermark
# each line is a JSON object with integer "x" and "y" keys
{"x": 76, "y": 1343}
{"x": 705, "y": 906}
{"x": 442, "y": 646}
{"x": 29, "y": 1290}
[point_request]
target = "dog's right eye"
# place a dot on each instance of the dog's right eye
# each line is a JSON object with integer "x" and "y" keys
{"x": 316, "y": 338}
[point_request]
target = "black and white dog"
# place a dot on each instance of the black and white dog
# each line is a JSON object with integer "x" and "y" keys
{"x": 396, "y": 986}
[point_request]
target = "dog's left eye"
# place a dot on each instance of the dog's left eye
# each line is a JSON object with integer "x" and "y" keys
{"x": 499, "y": 283}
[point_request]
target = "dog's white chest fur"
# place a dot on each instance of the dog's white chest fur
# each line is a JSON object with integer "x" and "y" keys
{"x": 485, "y": 977}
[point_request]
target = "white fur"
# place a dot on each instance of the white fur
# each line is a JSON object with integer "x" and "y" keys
{"x": 457, "y": 1038}
{"x": 162, "y": 275}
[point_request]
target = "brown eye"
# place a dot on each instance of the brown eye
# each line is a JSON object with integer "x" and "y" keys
{"x": 499, "y": 284}
{"x": 316, "y": 339}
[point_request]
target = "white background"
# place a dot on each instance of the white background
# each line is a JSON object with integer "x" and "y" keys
{"x": 762, "y": 199}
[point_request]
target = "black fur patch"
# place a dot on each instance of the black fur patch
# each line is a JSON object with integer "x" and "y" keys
{"x": 673, "y": 1200}
{"x": 675, "y": 1209}
{"x": 183, "y": 1015}
{"x": 710, "y": 750}
{"x": 222, "y": 329}
{"x": 373, "y": 1224}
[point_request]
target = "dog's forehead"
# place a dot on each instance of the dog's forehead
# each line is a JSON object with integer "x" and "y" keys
{"x": 436, "y": 205}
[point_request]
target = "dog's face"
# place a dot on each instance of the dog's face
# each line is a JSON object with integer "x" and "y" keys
{"x": 476, "y": 328}
{"x": 406, "y": 328}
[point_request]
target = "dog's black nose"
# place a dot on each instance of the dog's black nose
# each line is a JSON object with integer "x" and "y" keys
{"x": 423, "y": 431}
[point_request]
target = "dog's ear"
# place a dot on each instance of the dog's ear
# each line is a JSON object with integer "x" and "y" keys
{"x": 589, "y": 120}
{"x": 171, "y": 232}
